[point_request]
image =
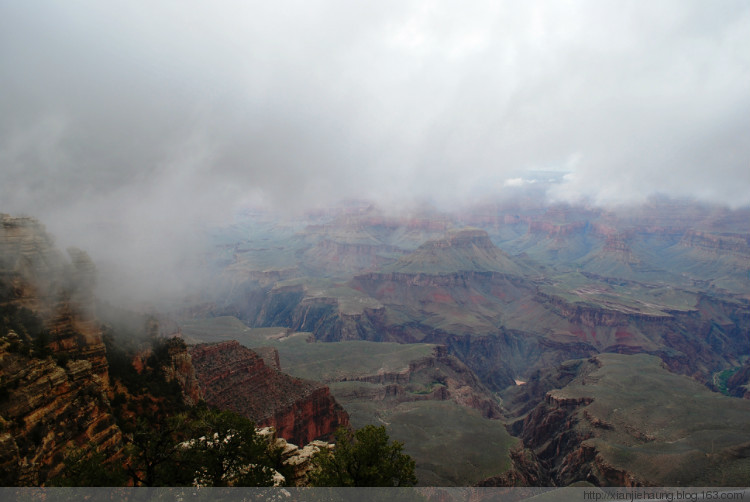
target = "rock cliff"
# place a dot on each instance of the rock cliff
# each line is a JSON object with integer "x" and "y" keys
{"x": 738, "y": 385}
{"x": 179, "y": 368}
{"x": 344, "y": 258}
{"x": 236, "y": 378}
{"x": 624, "y": 420}
{"x": 53, "y": 368}
{"x": 467, "y": 250}
{"x": 438, "y": 377}
{"x": 733, "y": 243}
{"x": 344, "y": 314}
{"x": 297, "y": 460}
{"x": 47, "y": 409}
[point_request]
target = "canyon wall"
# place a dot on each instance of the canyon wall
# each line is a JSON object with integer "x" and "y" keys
{"x": 53, "y": 369}
{"x": 625, "y": 420}
{"x": 236, "y": 378}
{"x": 438, "y": 377}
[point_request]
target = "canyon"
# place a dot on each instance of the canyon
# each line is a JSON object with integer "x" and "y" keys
{"x": 580, "y": 343}
{"x": 512, "y": 291}
{"x": 56, "y": 388}
{"x": 625, "y": 420}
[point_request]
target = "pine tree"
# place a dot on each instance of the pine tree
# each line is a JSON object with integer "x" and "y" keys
{"x": 363, "y": 458}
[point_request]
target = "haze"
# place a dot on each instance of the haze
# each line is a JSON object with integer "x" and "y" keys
{"x": 126, "y": 126}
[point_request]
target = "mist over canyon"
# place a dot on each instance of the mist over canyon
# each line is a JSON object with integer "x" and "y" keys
{"x": 453, "y": 329}
{"x": 514, "y": 235}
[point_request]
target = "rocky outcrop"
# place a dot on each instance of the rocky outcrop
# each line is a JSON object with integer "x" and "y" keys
{"x": 297, "y": 460}
{"x": 47, "y": 409}
{"x": 313, "y": 415}
{"x": 270, "y": 356}
{"x": 324, "y": 317}
{"x": 31, "y": 268}
{"x": 344, "y": 258}
{"x": 733, "y": 243}
{"x": 459, "y": 251}
{"x": 329, "y": 317}
{"x": 738, "y": 385}
{"x": 526, "y": 471}
{"x": 179, "y": 368}
{"x": 602, "y": 427}
{"x": 236, "y": 378}
{"x": 278, "y": 306}
{"x": 591, "y": 315}
{"x": 556, "y": 230}
{"x": 452, "y": 380}
{"x": 53, "y": 373}
{"x": 36, "y": 276}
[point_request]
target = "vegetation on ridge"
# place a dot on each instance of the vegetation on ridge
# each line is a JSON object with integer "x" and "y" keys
{"x": 202, "y": 446}
{"x": 363, "y": 458}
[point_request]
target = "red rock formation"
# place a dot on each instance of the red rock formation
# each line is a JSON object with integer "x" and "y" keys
{"x": 236, "y": 378}
{"x": 180, "y": 368}
{"x": 733, "y": 243}
{"x": 270, "y": 356}
{"x": 49, "y": 403}
{"x": 48, "y": 409}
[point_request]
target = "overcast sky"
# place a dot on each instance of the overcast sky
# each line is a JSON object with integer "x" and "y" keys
{"x": 166, "y": 112}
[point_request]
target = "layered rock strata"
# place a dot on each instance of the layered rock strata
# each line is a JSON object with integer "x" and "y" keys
{"x": 451, "y": 380}
{"x": 47, "y": 409}
{"x": 236, "y": 378}
{"x": 53, "y": 378}
{"x": 624, "y": 420}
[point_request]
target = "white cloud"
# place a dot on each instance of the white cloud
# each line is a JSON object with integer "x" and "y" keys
{"x": 186, "y": 109}
{"x": 514, "y": 182}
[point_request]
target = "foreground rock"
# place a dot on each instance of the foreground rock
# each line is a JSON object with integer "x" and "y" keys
{"x": 298, "y": 460}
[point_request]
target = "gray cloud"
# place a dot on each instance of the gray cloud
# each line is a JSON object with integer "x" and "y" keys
{"x": 142, "y": 116}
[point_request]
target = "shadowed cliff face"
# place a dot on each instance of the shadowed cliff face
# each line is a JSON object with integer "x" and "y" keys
{"x": 236, "y": 378}
{"x": 624, "y": 420}
{"x": 53, "y": 369}
{"x": 738, "y": 384}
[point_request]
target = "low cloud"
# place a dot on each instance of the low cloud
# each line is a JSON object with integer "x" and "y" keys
{"x": 127, "y": 126}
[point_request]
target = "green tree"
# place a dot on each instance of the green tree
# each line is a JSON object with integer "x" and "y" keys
{"x": 226, "y": 450}
{"x": 88, "y": 467}
{"x": 363, "y": 458}
{"x": 204, "y": 446}
{"x": 153, "y": 452}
